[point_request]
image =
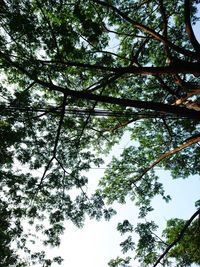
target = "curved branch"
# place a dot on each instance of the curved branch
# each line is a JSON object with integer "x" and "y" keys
{"x": 179, "y": 237}
{"x": 169, "y": 153}
{"x": 123, "y": 33}
{"x": 188, "y": 25}
{"x": 106, "y": 80}
{"x": 148, "y": 30}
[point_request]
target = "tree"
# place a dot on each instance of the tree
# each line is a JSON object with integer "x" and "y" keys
{"x": 67, "y": 96}
{"x": 187, "y": 250}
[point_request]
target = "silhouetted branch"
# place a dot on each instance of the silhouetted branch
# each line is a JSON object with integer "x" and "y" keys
{"x": 179, "y": 237}
{"x": 56, "y": 141}
{"x": 68, "y": 173}
{"x": 165, "y": 27}
{"x": 166, "y": 87}
{"x": 168, "y": 130}
{"x": 60, "y": 124}
{"x": 190, "y": 32}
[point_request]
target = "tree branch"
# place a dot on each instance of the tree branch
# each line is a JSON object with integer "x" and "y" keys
{"x": 60, "y": 124}
{"x": 166, "y": 87}
{"x": 148, "y": 30}
{"x": 102, "y": 82}
{"x": 171, "y": 109}
{"x": 175, "y": 68}
{"x": 188, "y": 25}
{"x": 168, "y": 130}
{"x": 56, "y": 141}
{"x": 160, "y": 107}
{"x": 68, "y": 173}
{"x": 169, "y": 153}
{"x": 165, "y": 28}
{"x": 179, "y": 237}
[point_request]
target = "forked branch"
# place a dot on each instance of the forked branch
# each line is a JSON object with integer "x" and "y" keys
{"x": 55, "y": 143}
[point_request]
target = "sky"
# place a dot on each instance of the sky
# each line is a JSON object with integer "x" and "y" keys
{"x": 98, "y": 242}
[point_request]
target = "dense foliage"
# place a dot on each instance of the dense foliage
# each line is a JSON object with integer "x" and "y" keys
{"x": 187, "y": 251}
{"x": 76, "y": 75}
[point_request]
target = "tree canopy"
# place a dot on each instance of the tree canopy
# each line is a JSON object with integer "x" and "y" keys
{"x": 75, "y": 76}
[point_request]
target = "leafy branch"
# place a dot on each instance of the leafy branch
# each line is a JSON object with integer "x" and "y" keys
{"x": 179, "y": 237}
{"x": 169, "y": 153}
{"x": 148, "y": 30}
